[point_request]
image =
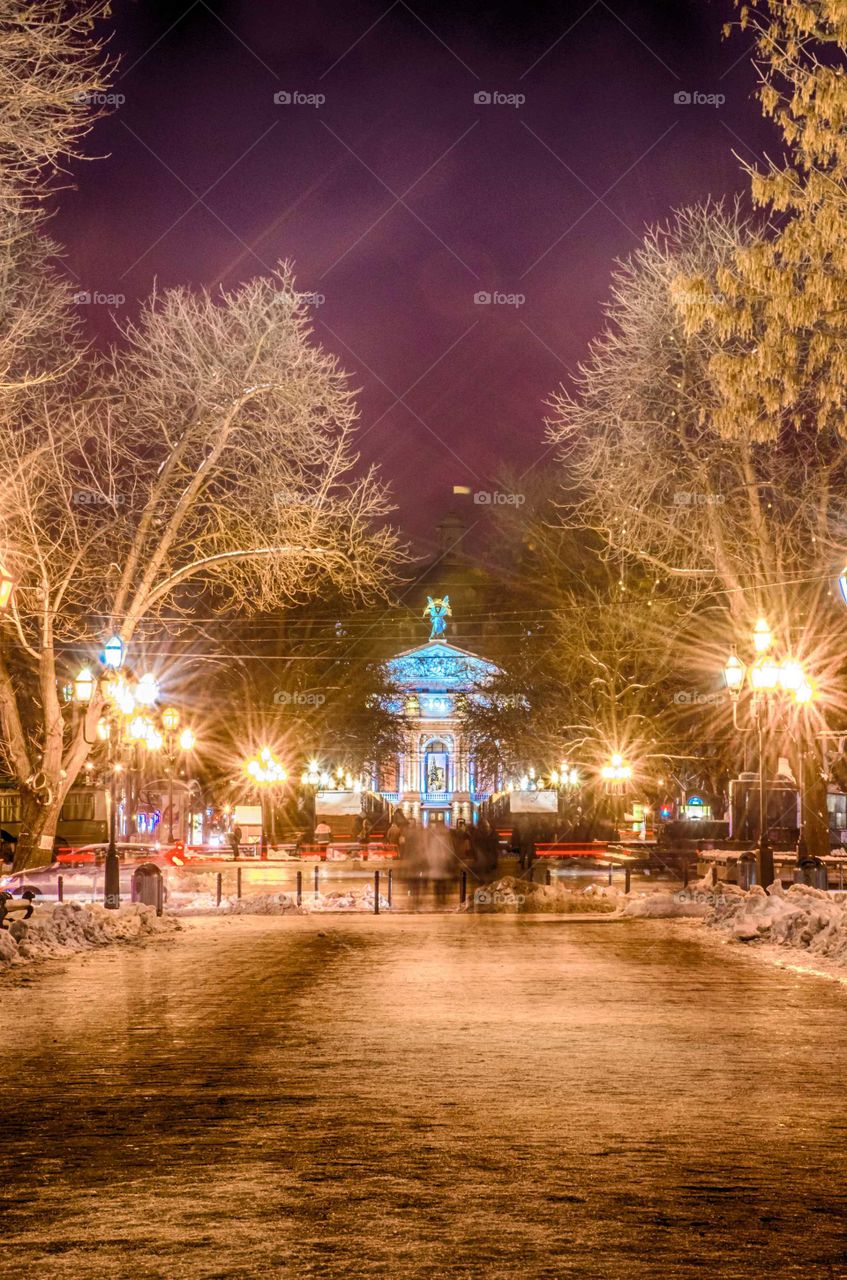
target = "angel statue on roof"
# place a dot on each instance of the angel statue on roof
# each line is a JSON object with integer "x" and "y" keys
{"x": 439, "y": 611}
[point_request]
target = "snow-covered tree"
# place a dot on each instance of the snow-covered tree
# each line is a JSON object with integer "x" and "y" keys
{"x": 733, "y": 528}
{"x": 209, "y": 454}
{"x": 780, "y": 309}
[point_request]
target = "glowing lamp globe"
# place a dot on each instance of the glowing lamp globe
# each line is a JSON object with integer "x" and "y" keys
{"x": 187, "y": 740}
{"x": 170, "y": 719}
{"x": 113, "y": 653}
{"x": 147, "y": 690}
{"x": 804, "y": 693}
{"x": 791, "y": 675}
{"x": 764, "y": 675}
{"x": 733, "y": 674}
{"x": 762, "y": 636}
{"x": 84, "y": 686}
{"x": 139, "y": 728}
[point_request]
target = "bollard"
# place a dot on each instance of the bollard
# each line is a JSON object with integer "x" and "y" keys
{"x": 611, "y": 869}
{"x": 745, "y": 870}
{"x": 685, "y": 873}
{"x": 160, "y": 895}
{"x": 813, "y": 872}
{"x": 317, "y": 882}
{"x": 840, "y": 875}
{"x": 390, "y": 877}
{"x": 219, "y": 888}
{"x": 627, "y": 874}
{"x": 714, "y": 875}
{"x": 463, "y": 888}
{"x": 60, "y": 889}
{"x": 376, "y": 893}
{"x": 299, "y": 888}
{"x": 238, "y": 883}
{"x": 547, "y": 876}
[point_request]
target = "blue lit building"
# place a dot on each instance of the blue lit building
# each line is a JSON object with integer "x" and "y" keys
{"x": 435, "y": 777}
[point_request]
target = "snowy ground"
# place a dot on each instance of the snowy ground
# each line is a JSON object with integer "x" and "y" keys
{"x": 433, "y": 1097}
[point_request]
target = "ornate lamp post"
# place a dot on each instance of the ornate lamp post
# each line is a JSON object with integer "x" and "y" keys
{"x": 767, "y": 678}
{"x": 266, "y": 773}
{"x": 616, "y": 774}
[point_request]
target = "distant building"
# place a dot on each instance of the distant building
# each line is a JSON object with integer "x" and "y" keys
{"x": 435, "y": 777}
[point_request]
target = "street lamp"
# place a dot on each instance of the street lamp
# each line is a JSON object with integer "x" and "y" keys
{"x": 767, "y": 677}
{"x": 266, "y": 772}
{"x": 185, "y": 742}
{"x": 616, "y": 774}
{"x": 113, "y": 653}
{"x": 84, "y": 686}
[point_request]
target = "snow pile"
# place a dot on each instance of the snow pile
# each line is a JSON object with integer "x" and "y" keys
{"x": 514, "y": 894}
{"x": 347, "y": 901}
{"x": 698, "y": 900}
{"x": 799, "y": 917}
{"x": 70, "y": 927}
{"x": 279, "y": 904}
{"x": 259, "y": 904}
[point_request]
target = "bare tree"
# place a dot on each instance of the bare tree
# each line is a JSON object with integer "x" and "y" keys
{"x": 734, "y": 527}
{"x": 54, "y": 76}
{"x": 210, "y": 455}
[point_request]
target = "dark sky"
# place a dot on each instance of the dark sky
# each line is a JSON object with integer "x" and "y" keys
{"x": 399, "y": 198}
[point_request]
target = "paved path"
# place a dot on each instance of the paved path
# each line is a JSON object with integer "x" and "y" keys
{"x": 423, "y": 1097}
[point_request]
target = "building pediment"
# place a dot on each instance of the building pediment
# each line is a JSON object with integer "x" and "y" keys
{"x": 438, "y": 665}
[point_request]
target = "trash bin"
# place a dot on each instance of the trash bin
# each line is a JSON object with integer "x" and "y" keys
{"x": 147, "y": 886}
{"x": 813, "y": 872}
{"x": 745, "y": 870}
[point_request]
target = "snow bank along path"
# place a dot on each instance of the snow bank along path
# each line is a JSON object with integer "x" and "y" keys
{"x": 71, "y": 927}
{"x": 798, "y": 918}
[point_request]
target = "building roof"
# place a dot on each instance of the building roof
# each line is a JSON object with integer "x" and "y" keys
{"x": 438, "y": 665}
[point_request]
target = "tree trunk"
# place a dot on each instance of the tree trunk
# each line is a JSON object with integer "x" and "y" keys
{"x": 38, "y": 830}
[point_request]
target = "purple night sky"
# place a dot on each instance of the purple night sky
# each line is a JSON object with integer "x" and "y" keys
{"x": 399, "y": 198}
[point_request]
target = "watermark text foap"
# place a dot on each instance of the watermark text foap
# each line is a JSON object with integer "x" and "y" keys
{"x": 496, "y": 498}
{"x": 296, "y": 98}
{"x": 285, "y": 698}
{"x": 85, "y": 299}
{"x": 99, "y": 99}
{"x": 685, "y": 698}
{"x": 703, "y": 897}
{"x": 496, "y": 98}
{"x": 497, "y": 898}
{"x": 497, "y": 299}
{"x": 682, "y": 98}
{"x": 684, "y": 499}
{"x": 94, "y": 498}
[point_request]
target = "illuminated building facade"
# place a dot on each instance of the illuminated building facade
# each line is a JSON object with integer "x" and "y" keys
{"x": 435, "y": 777}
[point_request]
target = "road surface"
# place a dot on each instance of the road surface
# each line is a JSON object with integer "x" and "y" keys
{"x": 433, "y": 1096}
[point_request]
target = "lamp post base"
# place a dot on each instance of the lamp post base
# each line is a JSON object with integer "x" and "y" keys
{"x": 765, "y": 873}
{"x": 112, "y": 885}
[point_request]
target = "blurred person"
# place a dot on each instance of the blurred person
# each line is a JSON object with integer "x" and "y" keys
{"x": 441, "y": 862}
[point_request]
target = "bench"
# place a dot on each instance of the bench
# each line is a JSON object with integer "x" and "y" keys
{"x": 22, "y": 906}
{"x": 568, "y": 849}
